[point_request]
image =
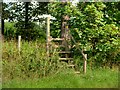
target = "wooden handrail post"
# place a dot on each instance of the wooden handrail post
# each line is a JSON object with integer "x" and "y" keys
{"x": 85, "y": 63}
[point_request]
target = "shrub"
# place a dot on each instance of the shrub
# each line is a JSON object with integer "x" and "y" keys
{"x": 32, "y": 32}
{"x": 10, "y": 30}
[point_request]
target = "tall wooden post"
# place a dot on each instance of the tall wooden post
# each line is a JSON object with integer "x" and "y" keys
{"x": 48, "y": 34}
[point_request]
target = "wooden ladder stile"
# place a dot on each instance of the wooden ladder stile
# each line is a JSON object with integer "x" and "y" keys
{"x": 62, "y": 44}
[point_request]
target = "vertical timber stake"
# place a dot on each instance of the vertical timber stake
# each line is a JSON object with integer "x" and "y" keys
{"x": 19, "y": 40}
{"x": 48, "y": 34}
{"x": 85, "y": 64}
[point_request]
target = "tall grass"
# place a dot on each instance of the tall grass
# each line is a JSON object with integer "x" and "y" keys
{"x": 30, "y": 62}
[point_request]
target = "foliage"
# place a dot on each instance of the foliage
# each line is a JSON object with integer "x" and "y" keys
{"x": 98, "y": 37}
{"x": 13, "y": 30}
{"x": 10, "y": 31}
{"x": 94, "y": 28}
{"x": 30, "y": 62}
{"x": 32, "y": 33}
{"x": 57, "y": 10}
{"x": 17, "y": 10}
{"x": 25, "y": 13}
{"x": 5, "y": 11}
{"x": 112, "y": 13}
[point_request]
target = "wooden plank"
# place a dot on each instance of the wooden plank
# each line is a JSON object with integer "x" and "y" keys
{"x": 58, "y": 46}
{"x": 65, "y": 58}
{"x": 65, "y": 52}
{"x": 71, "y": 65}
{"x": 77, "y": 72}
{"x": 57, "y": 39}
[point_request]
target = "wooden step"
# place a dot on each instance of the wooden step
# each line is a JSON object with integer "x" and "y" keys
{"x": 71, "y": 65}
{"x": 58, "y": 46}
{"x": 57, "y": 39}
{"x": 77, "y": 72}
{"x": 65, "y": 58}
{"x": 65, "y": 52}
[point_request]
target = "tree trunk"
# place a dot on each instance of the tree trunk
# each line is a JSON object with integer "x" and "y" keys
{"x": 26, "y": 14}
{"x": 2, "y": 26}
{"x": 2, "y": 20}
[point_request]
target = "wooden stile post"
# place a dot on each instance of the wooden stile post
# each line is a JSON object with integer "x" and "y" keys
{"x": 19, "y": 41}
{"x": 48, "y": 34}
{"x": 85, "y": 63}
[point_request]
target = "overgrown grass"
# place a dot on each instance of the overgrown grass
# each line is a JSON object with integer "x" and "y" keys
{"x": 98, "y": 78}
{"x": 30, "y": 68}
{"x": 30, "y": 62}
